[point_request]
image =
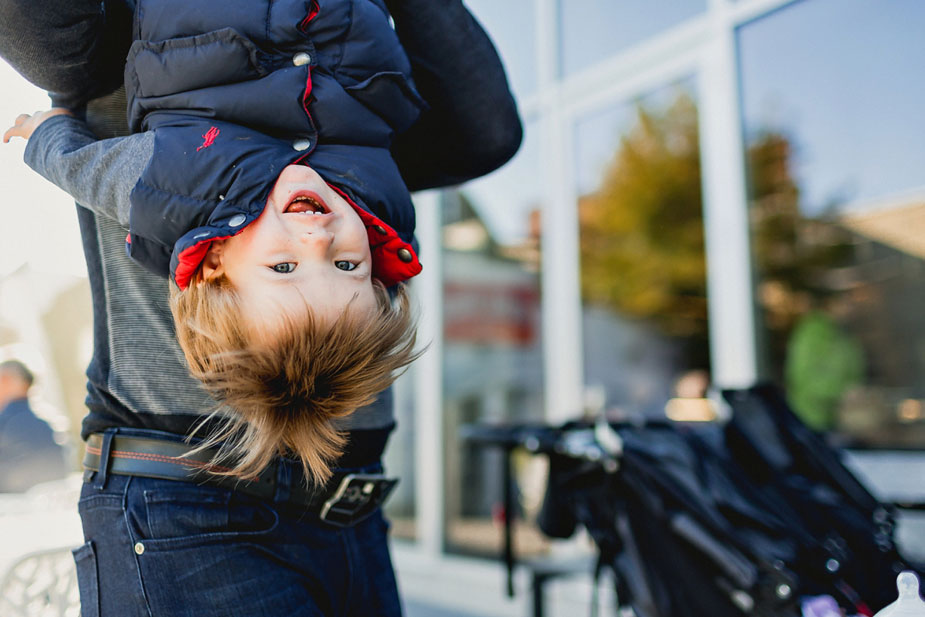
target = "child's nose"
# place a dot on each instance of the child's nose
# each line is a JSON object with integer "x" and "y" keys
{"x": 317, "y": 239}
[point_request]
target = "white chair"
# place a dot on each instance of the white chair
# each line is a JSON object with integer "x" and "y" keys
{"x": 41, "y": 584}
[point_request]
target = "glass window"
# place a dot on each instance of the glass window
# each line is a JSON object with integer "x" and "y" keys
{"x": 511, "y": 26}
{"x": 833, "y": 124}
{"x": 399, "y": 459}
{"x": 493, "y": 367}
{"x": 643, "y": 271}
{"x": 593, "y": 30}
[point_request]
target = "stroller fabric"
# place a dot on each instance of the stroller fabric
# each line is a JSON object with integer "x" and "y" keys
{"x": 740, "y": 519}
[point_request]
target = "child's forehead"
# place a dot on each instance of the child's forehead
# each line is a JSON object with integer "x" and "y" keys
{"x": 263, "y": 309}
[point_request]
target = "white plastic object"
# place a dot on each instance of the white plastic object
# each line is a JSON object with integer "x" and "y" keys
{"x": 909, "y": 603}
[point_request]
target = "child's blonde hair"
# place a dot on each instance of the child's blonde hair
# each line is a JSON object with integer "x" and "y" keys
{"x": 285, "y": 394}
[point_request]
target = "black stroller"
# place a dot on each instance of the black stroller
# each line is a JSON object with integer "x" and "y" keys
{"x": 696, "y": 521}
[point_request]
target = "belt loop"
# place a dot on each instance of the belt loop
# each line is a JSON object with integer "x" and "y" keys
{"x": 105, "y": 448}
{"x": 283, "y": 481}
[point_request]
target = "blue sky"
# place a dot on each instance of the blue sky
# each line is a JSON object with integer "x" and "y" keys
{"x": 592, "y": 30}
{"x": 844, "y": 80}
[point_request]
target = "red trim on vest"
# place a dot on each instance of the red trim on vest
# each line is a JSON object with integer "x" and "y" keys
{"x": 387, "y": 267}
{"x": 306, "y": 96}
{"x": 190, "y": 260}
{"x": 312, "y": 13}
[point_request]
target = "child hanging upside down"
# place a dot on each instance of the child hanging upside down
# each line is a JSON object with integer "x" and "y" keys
{"x": 262, "y": 183}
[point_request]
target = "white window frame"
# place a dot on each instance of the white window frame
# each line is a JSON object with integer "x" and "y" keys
{"x": 703, "y": 47}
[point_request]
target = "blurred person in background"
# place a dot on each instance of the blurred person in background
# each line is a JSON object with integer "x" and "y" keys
{"x": 28, "y": 451}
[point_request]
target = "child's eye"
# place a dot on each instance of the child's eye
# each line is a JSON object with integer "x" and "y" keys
{"x": 284, "y": 268}
{"x": 346, "y": 266}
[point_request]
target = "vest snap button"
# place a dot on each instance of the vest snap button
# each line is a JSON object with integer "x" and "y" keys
{"x": 237, "y": 220}
{"x": 405, "y": 255}
{"x": 380, "y": 229}
{"x": 301, "y": 59}
{"x": 301, "y": 144}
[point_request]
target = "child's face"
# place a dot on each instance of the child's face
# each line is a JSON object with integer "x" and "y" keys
{"x": 307, "y": 247}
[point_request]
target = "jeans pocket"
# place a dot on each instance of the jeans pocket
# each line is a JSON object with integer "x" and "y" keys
{"x": 185, "y": 511}
{"x": 88, "y": 582}
{"x": 169, "y": 515}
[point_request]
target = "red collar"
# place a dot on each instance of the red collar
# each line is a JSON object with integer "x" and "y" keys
{"x": 394, "y": 261}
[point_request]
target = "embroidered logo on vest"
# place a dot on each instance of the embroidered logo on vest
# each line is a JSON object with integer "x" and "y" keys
{"x": 209, "y": 138}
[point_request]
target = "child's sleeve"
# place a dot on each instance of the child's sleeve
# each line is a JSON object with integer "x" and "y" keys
{"x": 98, "y": 173}
{"x": 472, "y": 126}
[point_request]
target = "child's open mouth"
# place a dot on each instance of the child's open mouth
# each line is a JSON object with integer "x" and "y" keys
{"x": 307, "y": 203}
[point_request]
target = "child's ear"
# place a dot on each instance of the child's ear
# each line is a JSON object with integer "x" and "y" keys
{"x": 212, "y": 263}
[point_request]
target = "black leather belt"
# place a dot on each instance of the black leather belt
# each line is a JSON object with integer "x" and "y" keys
{"x": 347, "y": 498}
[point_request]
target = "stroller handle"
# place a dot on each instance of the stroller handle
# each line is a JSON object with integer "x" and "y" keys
{"x": 580, "y": 440}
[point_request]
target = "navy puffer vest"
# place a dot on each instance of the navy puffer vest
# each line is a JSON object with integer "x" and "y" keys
{"x": 235, "y": 91}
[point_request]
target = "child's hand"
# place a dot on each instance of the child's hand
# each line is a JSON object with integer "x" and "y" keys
{"x": 25, "y": 125}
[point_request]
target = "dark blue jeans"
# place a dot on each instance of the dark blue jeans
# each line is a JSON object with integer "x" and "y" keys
{"x": 163, "y": 548}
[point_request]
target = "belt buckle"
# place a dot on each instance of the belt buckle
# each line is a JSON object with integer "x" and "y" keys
{"x": 357, "y": 496}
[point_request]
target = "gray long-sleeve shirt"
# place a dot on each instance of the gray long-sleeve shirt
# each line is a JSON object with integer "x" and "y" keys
{"x": 98, "y": 174}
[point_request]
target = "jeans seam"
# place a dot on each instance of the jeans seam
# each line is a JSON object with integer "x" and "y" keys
{"x": 347, "y": 539}
{"x": 132, "y": 540}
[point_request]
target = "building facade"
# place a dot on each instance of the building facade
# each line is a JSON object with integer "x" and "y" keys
{"x": 709, "y": 193}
